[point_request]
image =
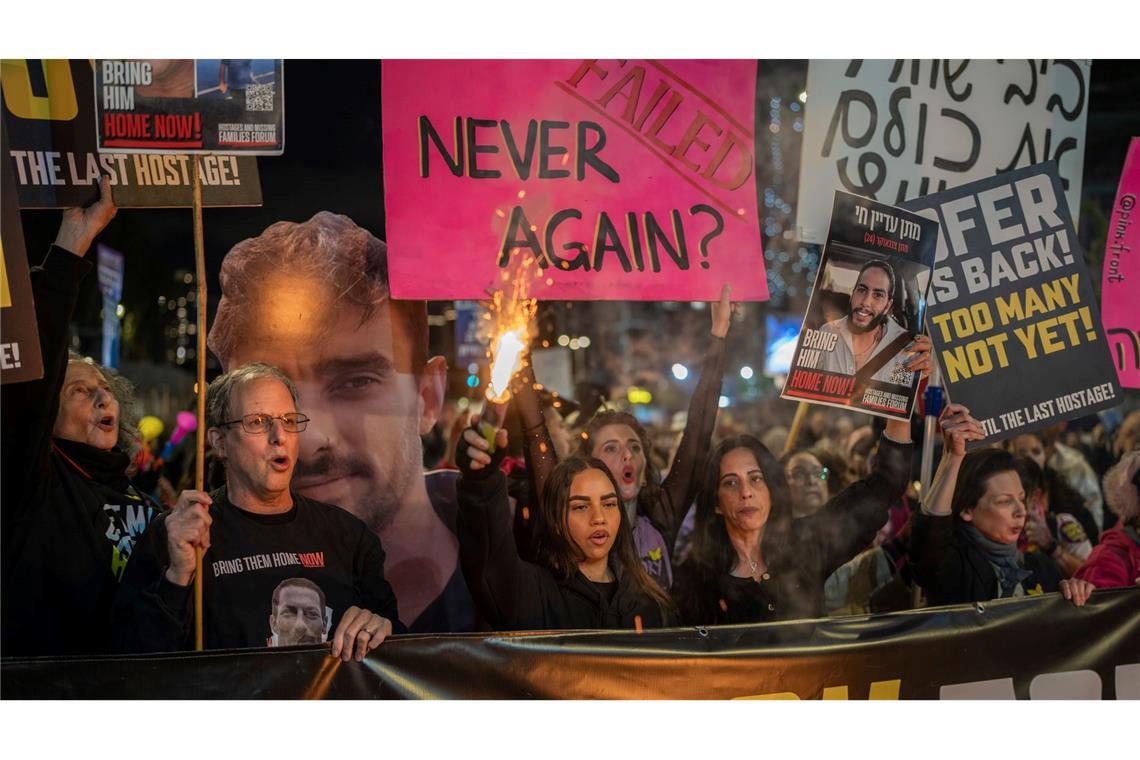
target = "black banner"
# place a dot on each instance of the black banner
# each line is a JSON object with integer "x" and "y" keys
{"x": 49, "y": 112}
{"x": 1026, "y": 648}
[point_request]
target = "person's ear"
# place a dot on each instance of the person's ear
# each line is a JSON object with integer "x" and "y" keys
{"x": 217, "y": 441}
{"x": 967, "y": 515}
{"x": 433, "y": 381}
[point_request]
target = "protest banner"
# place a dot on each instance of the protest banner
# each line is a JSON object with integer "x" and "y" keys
{"x": 867, "y": 305}
{"x": 894, "y": 130}
{"x": 1025, "y": 648}
{"x": 1119, "y": 311}
{"x": 1013, "y": 316}
{"x": 49, "y": 111}
{"x": 614, "y": 179}
{"x": 20, "y": 358}
{"x": 173, "y": 105}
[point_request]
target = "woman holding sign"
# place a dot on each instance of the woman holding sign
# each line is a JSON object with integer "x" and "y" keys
{"x": 586, "y": 572}
{"x": 964, "y": 540}
{"x": 71, "y": 515}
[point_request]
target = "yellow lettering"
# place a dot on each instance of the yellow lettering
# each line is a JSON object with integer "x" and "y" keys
{"x": 59, "y": 104}
{"x": 957, "y": 366}
{"x": 1010, "y": 311}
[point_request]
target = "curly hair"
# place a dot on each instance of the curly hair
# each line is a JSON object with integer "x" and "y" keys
{"x": 129, "y": 438}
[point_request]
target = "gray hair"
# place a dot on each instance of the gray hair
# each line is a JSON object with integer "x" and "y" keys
{"x": 124, "y": 392}
{"x": 223, "y": 387}
{"x": 1120, "y": 493}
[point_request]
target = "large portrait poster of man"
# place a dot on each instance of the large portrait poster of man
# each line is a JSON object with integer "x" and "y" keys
{"x": 866, "y": 308}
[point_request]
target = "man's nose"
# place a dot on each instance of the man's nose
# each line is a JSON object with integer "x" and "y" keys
{"x": 276, "y": 430}
{"x": 319, "y": 433}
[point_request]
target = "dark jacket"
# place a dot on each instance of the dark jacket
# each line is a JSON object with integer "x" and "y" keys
{"x": 800, "y": 561}
{"x": 516, "y": 595}
{"x": 953, "y": 570}
{"x": 70, "y": 516}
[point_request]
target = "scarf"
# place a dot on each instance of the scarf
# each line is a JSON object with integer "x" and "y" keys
{"x": 1004, "y": 558}
{"x": 106, "y": 467}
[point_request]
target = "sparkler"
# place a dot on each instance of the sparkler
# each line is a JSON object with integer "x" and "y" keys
{"x": 509, "y": 316}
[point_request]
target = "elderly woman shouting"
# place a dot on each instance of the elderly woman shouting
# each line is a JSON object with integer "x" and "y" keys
{"x": 70, "y": 513}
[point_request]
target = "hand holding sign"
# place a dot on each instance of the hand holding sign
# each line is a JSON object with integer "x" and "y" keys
{"x": 80, "y": 225}
{"x": 958, "y": 427}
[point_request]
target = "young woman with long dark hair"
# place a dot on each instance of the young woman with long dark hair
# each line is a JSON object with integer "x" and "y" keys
{"x": 586, "y": 572}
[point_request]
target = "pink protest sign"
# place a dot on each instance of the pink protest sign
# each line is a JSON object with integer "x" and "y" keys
{"x": 599, "y": 179}
{"x": 1118, "y": 309}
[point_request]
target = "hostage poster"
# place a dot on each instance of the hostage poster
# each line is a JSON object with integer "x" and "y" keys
{"x": 603, "y": 179}
{"x": 182, "y": 105}
{"x": 1013, "y": 315}
{"x": 866, "y": 307}
{"x": 49, "y": 115}
{"x": 894, "y": 130}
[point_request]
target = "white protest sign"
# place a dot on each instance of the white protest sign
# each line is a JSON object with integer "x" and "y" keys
{"x": 895, "y": 130}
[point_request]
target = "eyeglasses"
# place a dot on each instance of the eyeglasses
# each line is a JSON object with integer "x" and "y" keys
{"x": 807, "y": 476}
{"x": 257, "y": 424}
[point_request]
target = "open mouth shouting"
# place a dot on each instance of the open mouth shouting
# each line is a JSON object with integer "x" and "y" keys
{"x": 107, "y": 423}
{"x": 280, "y": 462}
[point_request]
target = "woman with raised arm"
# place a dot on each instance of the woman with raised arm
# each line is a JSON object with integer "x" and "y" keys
{"x": 71, "y": 516}
{"x": 586, "y": 573}
{"x": 963, "y": 545}
{"x": 653, "y": 508}
{"x": 751, "y": 560}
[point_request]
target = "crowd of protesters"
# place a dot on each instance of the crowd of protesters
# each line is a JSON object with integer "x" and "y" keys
{"x": 562, "y": 519}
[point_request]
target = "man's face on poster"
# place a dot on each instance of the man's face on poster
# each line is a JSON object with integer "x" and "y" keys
{"x": 298, "y": 617}
{"x": 367, "y": 407}
{"x": 871, "y": 300}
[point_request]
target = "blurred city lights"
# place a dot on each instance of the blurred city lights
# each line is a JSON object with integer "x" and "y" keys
{"x": 746, "y": 372}
{"x": 680, "y": 371}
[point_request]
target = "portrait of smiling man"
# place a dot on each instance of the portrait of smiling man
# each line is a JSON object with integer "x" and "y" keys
{"x": 869, "y": 328}
{"x": 312, "y": 298}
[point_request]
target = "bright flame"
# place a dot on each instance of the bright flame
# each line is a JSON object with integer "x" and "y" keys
{"x": 507, "y": 350}
{"x": 507, "y": 329}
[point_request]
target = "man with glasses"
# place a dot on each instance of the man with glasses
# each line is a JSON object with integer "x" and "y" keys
{"x": 256, "y": 533}
{"x": 807, "y": 483}
{"x": 312, "y": 298}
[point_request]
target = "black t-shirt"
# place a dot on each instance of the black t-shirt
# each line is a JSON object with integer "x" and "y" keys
{"x": 269, "y": 580}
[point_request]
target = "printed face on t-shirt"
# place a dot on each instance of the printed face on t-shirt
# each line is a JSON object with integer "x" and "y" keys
{"x": 298, "y": 617}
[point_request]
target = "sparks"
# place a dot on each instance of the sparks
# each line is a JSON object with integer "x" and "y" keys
{"x": 507, "y": 329}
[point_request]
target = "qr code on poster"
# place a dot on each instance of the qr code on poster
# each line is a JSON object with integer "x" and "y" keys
{"x": 259, "y": 97}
